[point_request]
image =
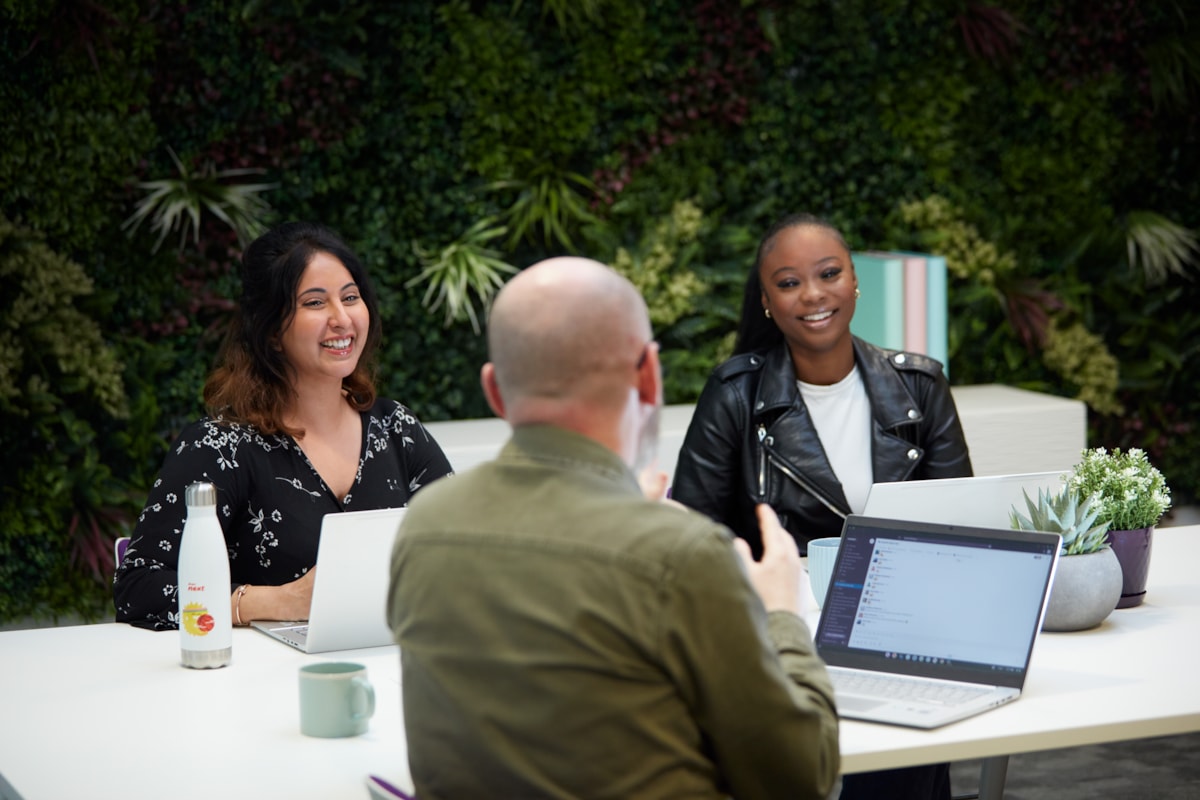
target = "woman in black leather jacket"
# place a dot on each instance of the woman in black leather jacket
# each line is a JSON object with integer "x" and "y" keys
{"x": 753, "y": 438}
{"x": 805, "y": 417}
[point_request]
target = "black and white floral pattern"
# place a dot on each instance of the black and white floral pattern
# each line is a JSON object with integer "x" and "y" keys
{"x": 270, "y": 503}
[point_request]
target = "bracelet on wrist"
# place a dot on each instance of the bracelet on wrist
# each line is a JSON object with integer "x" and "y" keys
{"x": 237, "y": 605}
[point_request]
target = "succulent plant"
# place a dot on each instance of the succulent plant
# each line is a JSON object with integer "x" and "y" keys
{"x": 1065, "y": 513}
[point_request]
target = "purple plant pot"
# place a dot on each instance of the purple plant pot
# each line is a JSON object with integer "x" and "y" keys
{"x": 1133, "y": 552}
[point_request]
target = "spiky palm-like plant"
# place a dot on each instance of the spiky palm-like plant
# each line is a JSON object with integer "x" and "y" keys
{"x": 461, "y": 269}
{"x": 548, "y": 206}
{"x": 177, "y": 203}
{"x": 1159, "y": 247}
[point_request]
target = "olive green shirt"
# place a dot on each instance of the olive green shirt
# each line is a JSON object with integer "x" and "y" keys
{"x": 562, "y": 636}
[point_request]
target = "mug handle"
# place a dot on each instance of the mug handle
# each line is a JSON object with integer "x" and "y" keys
{"x": 364, "y": 699}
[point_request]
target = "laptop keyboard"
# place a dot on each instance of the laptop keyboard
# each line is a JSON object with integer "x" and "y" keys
{"x": 900, "y": 687}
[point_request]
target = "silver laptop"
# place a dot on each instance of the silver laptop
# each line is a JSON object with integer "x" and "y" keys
{"x": 925, "y": 624}
{"x": 983, "y": 501}
{"x": 349, "y": 597}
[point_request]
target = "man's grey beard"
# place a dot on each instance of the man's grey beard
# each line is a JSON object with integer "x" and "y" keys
{"x": 647, "y": 451}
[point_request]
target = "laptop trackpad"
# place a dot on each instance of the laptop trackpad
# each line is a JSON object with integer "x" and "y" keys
{"x": 851, "y": 703}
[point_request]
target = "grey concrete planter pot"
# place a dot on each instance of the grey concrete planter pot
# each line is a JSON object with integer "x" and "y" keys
{"x": 1085, "y": 591}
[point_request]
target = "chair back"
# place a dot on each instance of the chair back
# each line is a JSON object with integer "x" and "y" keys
{"x": 119, "y": 548}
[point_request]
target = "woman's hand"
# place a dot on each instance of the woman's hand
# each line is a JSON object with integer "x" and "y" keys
{"x": 291, "y": 601}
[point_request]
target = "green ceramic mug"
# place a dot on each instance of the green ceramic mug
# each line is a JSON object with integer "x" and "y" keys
{"x": 821, "y": 555}
{"x": 336, "y": 699}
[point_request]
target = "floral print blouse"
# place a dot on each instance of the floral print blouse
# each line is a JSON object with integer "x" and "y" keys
{"x": 270, "y": 501}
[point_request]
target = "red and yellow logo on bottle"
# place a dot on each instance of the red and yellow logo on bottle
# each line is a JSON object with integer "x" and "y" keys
{"x": 196, "y": 619}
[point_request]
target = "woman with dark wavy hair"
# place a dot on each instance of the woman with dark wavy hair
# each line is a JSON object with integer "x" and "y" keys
{"x": 294, "y": 431}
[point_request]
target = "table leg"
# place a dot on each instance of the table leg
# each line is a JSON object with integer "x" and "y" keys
{"x": 991, "y": 778}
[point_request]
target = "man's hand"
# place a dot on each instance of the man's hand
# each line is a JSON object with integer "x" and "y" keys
{"x": 779, "y": 578}
{"x": 654, "y": 483}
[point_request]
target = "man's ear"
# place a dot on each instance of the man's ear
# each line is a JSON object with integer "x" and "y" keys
{"x": 491, "y": 389}
{"x": 650, "y": 382}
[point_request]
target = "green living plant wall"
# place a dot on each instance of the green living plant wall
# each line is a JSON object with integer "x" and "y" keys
{"x": 663, "y": 137}
{"x": 60, "y": 383}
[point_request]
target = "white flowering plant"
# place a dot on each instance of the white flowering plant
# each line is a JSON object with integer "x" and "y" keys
{"x": 1129, "y": 492}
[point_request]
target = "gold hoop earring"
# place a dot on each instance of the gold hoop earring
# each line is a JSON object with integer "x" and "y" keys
{"x": 767, "y": 311}
{"x": 857, "y": 293}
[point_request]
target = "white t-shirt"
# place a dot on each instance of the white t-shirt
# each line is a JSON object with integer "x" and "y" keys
{"x": 842, "y": 416}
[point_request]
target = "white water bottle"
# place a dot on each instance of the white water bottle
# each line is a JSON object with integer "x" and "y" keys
{"x": 205, "y": 626}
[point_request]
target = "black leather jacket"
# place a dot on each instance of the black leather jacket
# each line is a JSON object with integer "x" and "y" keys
{"x": 751, "y": 440}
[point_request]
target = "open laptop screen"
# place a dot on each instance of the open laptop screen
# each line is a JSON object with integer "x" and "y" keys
{"x": 981, "y": 501}
{"x": 942, "y": 601}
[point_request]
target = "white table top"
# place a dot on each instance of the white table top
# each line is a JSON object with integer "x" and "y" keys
{"x": 106, "y": 711}
{"x": 103, "y": 711}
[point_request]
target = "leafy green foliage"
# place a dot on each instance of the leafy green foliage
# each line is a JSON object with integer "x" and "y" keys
{"x": 36, "y": 570}
{"x": 493, "y": 65}
{"x": 1129, "y": 492}
{"x": 993, "y": 306}
{"x": 1148, "y": 323}
{"x": 690, "y": 270}
{"x": 72, "y": 117}
{"x": 60, "y": 383}
{"x": 659, "y": 266}
{"x": 569, "y": 14}
{"x": 1082, "y": 359}
{"x": 51, "y": 350}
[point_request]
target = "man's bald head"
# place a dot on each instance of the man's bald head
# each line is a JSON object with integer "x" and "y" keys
{"x": 564, "y": 329}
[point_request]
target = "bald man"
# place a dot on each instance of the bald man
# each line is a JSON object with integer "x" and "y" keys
{"x": 562, "y": 635}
